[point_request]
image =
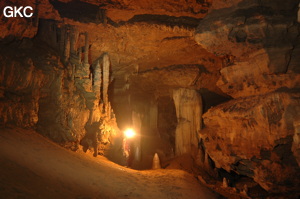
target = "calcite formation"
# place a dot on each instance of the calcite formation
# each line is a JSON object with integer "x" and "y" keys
{"x": 62, "y": 96}
{"x": 161, "y": 64}
{"x": 188, "y": 104}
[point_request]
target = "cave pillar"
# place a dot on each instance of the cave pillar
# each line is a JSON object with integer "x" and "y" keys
{"x": 188, "y": 104}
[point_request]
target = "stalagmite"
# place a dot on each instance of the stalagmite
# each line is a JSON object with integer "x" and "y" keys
{"x": 106, "y": 65}
{"x": 245, "y": 190}
{"x": 225, "y": 183}
{"x": 156, "y": 162}
{"x": 188, "y": 106}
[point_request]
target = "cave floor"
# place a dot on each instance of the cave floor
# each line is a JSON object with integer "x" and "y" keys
{"x": 31, "y": 166}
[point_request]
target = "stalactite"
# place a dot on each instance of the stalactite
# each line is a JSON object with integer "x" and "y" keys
{"x": 86, "y": 49}
{"x": 97, "y": 80}
{"x": 73, "y": 39}
{"x": 62, "y": 41}
{"x": 106, "y": 65}
{"x": 86, "y": 65}
{"x": 67, "y": 46}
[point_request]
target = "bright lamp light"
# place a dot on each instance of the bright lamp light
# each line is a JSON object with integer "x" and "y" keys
{"x": 129, "y": 133}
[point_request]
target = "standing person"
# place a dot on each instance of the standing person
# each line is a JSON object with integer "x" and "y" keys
{"x": 128, "y": 146}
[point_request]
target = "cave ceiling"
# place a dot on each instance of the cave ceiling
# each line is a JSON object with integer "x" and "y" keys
{"x": 150, "y": 43}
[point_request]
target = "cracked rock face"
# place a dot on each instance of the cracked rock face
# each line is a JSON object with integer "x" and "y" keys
{"x": 259, "y": 42}
{"x": 255, "y": 134}
{"x": 257, "y": 137}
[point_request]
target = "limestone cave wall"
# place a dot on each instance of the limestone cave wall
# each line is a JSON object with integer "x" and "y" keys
{"x": 49, "y": 83}
{"x": 256, "y": 133}
{"x": 215, "y": 81}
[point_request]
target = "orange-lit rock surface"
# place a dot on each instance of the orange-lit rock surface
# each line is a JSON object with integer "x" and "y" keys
{"x": 256, "y": 134}
{"x": 78, "y": 68}
{"x": 257, "y": 137}
{"x": 259, "y": 43}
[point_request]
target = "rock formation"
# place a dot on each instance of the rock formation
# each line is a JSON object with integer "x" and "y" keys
{"x": 264, "y": 39}
{"x": 57, "y": 92}
{"x": 188, "y": 105}
{"x": 254, "y": 137}
{"x": 256, "y": 133}
{"x": 157, "y": 65}
{"x": 156, "y": 162}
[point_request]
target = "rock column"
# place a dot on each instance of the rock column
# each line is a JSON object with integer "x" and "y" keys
{"x": 188, "y": 106}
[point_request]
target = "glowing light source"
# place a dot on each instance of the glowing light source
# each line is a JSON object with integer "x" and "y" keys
{"x": 129, "y": 133}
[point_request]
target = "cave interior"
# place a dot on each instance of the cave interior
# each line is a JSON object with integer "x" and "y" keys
{"x": 212, "y": 87}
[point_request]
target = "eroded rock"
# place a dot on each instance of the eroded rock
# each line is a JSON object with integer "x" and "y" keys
{"x": 254, "y": 137}
{"x": 260, "y": 39}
